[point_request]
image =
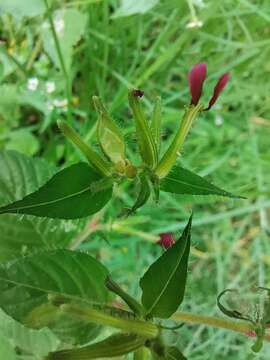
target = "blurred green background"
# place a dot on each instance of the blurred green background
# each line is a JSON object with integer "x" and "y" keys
{"x": 110, "y": 46}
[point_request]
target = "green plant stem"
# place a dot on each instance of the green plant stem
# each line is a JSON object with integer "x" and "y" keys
{"x": 34, "y": 54}
{"x": 61, "y": 60}
{"x": 99, "y": 164}
{"x": 129, "y": 300}
{"x": 143, "y": 328}
{"x": 141, "y": 354}
{"x": 145, "y": 137}
{"x": 241, "y": 327}
{"x": 170, "y": 156}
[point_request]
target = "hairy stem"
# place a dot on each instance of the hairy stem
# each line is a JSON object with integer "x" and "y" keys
{"x": 139, "y": 327}
{"x": 238, "y": 326}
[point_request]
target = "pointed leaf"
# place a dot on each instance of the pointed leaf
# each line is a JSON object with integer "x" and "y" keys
{"x": 183, "y": 181}
{"x": 21, "y": 235}
{"x": 163, "y": 284}
{"x": 26, "y": 282}
{"x": 67, "y": 195}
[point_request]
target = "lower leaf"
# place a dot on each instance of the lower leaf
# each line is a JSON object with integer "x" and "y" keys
{"x": 67, "y": 195}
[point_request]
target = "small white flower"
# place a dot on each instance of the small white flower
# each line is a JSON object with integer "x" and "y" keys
{"x": 194, "y": 23}
{"x": 60, "y": 103}
{"x": 32, "y": 84}
{"x": 50, "y": 87}
{"x": 218, "y": 120}
{"x": 59, "y": 25}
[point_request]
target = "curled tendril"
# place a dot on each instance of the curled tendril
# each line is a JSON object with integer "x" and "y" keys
{"x": 232, "y": 313}
{"x": 259, "y": 319}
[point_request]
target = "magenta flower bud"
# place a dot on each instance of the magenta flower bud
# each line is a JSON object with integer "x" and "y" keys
{"x": 166, "y": 240}
{"x": 138, "y": 93}
{"x": 222, "y": 81}
{"x": 196, "y": 79}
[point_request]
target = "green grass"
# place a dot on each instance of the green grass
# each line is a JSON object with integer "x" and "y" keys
{"x": 155, "y": 51}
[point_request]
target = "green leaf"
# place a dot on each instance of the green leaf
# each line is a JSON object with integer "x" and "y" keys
{"x": 36, "y": 342}
{"x": 67, "y": 195}
{"x": 163, "y": 285}
{"x": 69, "y": 25}
{"x": 19, "y": 8}
{"x": 183, "y": 181}
{"x": 19, "y": 176}
{"x": 7, "y": 351}
{"x": 22, "y": 140}
{"x": 25, "y": 283}
{"x": 131, "y": 7}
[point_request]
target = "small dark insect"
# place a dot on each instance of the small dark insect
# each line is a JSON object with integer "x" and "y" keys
{"x": 138, "y": 93}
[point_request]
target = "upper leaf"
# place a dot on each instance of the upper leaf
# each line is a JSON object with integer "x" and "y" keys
{"x": 163, "y": 284}
{"x": 69, "y": 26}
{"x": 67, "y": 195}
{"x": 19, "y": 176}
{"x": 183, "y": 181}
{"x": 25, "y": 283}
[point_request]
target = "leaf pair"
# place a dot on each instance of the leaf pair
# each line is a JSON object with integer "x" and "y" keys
{"x": 78, "y": 191}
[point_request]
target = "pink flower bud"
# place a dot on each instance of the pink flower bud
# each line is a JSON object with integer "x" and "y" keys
{"x": 222, "y": 81}
{"x": 196, "y": 79}
{"x": 166, "y": 240}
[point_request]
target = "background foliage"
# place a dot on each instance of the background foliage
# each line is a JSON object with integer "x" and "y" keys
{"x": 107, "y": 47}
